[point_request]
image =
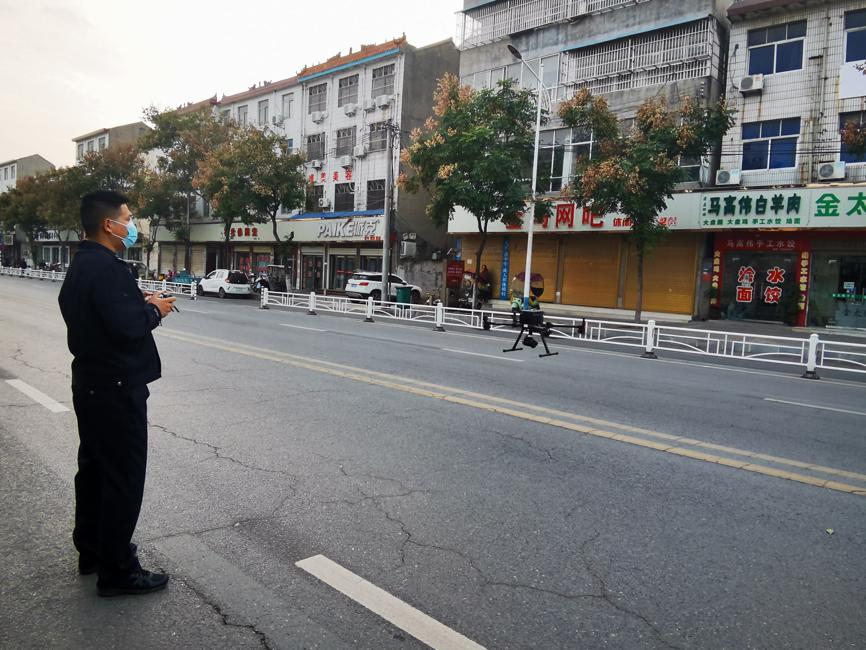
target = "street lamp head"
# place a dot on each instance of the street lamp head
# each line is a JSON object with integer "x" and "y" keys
{"x": 515, "y": 52}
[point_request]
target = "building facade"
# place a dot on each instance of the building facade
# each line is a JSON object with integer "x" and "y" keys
{"x": 12, "y": 244}
{"x": 794, "y": 83}
{"x": 772, "y": 229}
{"x": 339, "y": 114}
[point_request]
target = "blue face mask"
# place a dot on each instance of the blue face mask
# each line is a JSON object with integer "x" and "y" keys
{"x": 131, "y": 233}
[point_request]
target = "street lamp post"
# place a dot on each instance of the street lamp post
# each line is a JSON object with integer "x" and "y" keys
{"x": 530, "y": 214}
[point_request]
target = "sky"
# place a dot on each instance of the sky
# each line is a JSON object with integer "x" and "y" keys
{"x": 73, "y": 66}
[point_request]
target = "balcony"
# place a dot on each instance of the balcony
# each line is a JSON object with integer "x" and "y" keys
{"x": 685, "y": 52}
{"x": 499, "y": 20}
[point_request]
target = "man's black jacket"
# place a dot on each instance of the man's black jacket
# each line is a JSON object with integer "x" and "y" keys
{"x": 108, "y": 322}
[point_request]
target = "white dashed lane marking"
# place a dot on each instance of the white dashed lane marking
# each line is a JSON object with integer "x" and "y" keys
{"x": 412, "y": 621}
{"x": 37, "y": 396}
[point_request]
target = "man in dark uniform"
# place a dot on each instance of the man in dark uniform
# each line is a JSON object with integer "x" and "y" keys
{"x": 109, "y": 323}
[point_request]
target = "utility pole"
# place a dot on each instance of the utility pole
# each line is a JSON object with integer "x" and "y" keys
{"x": 386, "y": 239}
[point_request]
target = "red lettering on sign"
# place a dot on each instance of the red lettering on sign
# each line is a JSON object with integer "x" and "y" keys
{"x": 744, "y": 294}
{"x": 565, "y": 215}
{"x": 591, "y": 219}
{"x": 775, "y": 275}
{"x": 772, "y": 295}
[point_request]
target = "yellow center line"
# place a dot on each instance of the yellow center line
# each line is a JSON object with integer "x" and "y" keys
{"x": 541, "y": 415}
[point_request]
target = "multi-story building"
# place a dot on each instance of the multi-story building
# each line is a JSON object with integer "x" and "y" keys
{"x": 627, "y": 51}
{"x": 796, "y": 196}
{"x": 11, "y": 171}
{"x": 338, "y": 113}
{"x": 106, "y": 138}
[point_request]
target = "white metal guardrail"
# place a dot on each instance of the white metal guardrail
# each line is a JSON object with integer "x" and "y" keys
{"x": 811, "y": 353}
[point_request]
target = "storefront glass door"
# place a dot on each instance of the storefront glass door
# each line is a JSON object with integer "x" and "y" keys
{"x": 312, "y": 267}
{"x": 838, "y": 295}
{"x": 760, "y": 286}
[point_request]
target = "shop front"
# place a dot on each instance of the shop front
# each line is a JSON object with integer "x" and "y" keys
{"x": 794, "y": 256}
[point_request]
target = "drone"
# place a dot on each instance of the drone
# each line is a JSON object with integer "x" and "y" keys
{"x": 531, "y": 322}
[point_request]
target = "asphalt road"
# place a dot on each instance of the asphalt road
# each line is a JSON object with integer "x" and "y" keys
{"x": 589, "y": 500}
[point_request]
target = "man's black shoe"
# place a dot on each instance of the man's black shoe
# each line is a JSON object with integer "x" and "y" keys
{"x": 86, "y": 565}
{"x": 139, "y": 581}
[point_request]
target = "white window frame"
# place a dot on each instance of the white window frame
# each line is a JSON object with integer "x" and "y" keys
{"x": 320, "y": 141}
{"x": 242, "y": 114}
{"x": 776, "y": 45}
{"x": 79, "y": 151}
{"x": 345, "y": 140}
{"x": 848, "y": 31}
{"x": 378, "y": 142}
{"x": 263, "y": 104}
{"x": 288, "y": 101}
{"x": 348, "y": 93}
{"x": 102, "y": 143}
{"x": 320, "y": 92}
{"x": 381, "y": 85}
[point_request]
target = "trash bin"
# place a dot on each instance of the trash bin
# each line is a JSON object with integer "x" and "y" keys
{"x": 404, "y": 294}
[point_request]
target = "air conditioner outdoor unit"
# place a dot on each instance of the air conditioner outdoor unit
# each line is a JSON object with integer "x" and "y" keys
{"x": 369, "y": 105}
{"x": 752, "y": 84}
{"x": 318, "y": 116}
{"x": 408, "y": 248}
{"x": 360, "y": 150}
{"x": 316, "y": 164}
{"x": 346, "y": 161}
{"x": 350, "y": 109}
{"x": 383, "y": 101}
{"x": 831, "y": 171}
{"x": 324, "y": 203}
{"x": 728, "y": 177}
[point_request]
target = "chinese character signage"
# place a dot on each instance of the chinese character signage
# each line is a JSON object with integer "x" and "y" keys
{"x": 506, "y": 263}
{"x": 765, "y": 209}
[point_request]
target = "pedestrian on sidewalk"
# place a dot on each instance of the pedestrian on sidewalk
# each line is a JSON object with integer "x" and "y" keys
{"x": 109, "y": 323}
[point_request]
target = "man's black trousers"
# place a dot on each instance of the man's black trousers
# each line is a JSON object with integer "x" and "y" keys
{"x": 109, "y": 485}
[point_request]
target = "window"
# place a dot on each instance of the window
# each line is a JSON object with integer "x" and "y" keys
{"x": 856, "y": 118}
{"x": 102, "y": 143}
{"x": 90, "y": 144}
{"x": 771, "y": 144}
{"x": 288, "y": 100}
{"x": 341, "y": 267}
{"x": 691, "y": 166}
{"x": 263, "y": 111}
{"x": 551, "y": 156}
{"x": 855, "y": 35}
{"x": 344, "y": 197}
{"x": 345, "y": 141}
{"x": 290, "y": 143}
{"x": 378, "y": 136}
{"x": 12, "y": 174}
{"x": 383, "y": 80}
{"x": 80, "y": 151}
{"x": 348, "y": 91}
{"x": 316, "y": 146}
{"x": 5, "y": 173}
{"x": 242, "y": 115}
{"x": 318, "y": 98}
{"x": 315, "y": 194}
{"x": 376, "y": 195}
{"x": 225, "y": 114}
{"x": 776, "y": 49}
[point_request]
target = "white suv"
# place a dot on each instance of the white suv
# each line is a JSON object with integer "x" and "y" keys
{"x": 225, "y": 282}
{"x": 369, "y": 283}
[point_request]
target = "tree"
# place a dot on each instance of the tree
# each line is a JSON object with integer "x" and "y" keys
{"x": 273, "y": 179}
{"x": 635, "y": 173}
{"x": 223, "y": 176}
{"x": 25, "y": 207}
{"x": 117, "y": 168}
{"x": 474, "y": 152}
{"x": 182, "y": 141}
{"x": 64, "y": 188}
{"x": 161, "y": 204}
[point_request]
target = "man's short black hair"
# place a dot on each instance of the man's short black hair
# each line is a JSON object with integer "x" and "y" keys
{"x": 98, "y": 206}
